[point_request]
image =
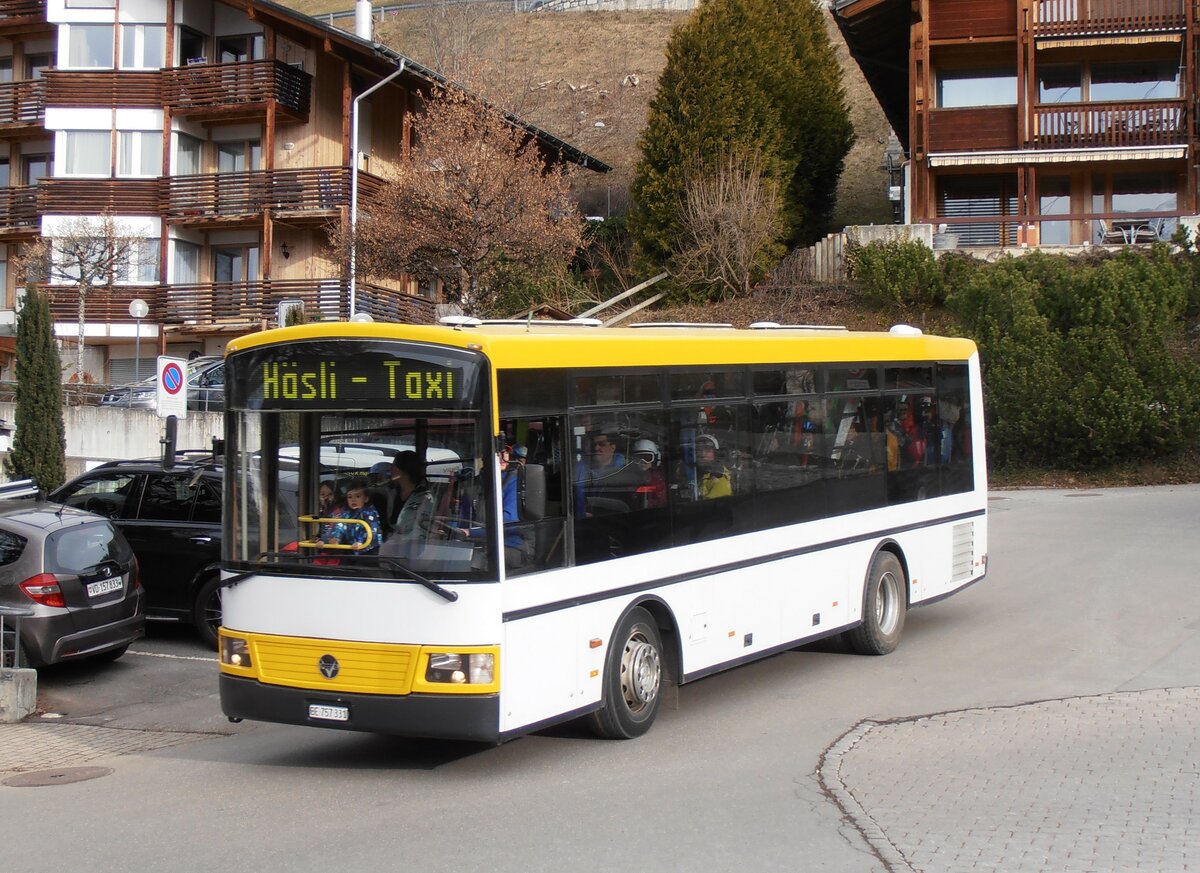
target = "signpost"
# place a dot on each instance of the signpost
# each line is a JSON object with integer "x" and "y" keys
{"x": 172, "y": 387}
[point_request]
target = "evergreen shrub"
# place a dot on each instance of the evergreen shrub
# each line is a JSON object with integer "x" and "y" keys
{"x": 1081, "y": 359}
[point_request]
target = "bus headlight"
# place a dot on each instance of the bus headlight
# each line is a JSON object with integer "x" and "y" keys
{"x": 235, "y": 652}
{"x": 458, "y": 669}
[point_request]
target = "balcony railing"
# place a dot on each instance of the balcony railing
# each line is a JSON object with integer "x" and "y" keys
{"x": 1076, "y": 17}
{"x": 239, "y": 303}
{"x": 104, "y": 88}
{"x": 201, "y": 88}
{"x": 18, "y": 209}
{"x": 22, "y": 104}
{"x": 209, "y": 196}
{"x": 93, "y": 196}
{"x": 1084, "y": 125}
{"x": 21, "y": 10}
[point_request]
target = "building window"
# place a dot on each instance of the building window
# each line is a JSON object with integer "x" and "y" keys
{"x": 1136, "y": 193}
{"x": 38, "y": 65}
{"x": 189, "y": 155}
{"x": 141, "y": 263}
{"x": 239, "y": 157}
{"x": 962, "y": 88}
{"x": 982, "y": 197}
{"x": 37, "y": 167}
{"x": 233, "y": 264}
{"x": 143, "y": 46}
{"x": 1054, "y": 198}
{"x": 235, "y": 49}
{"x": 1060, "y": 83}
{"x": 139, "y": 153}
{"x": 87, "y": 152}
{"x": 187, "y": 263}
{"x": 91, "y": 4}
{"x": 1137, "y": 80}
{"x": 6, "y": 69}
{"x": 90, "y": 45}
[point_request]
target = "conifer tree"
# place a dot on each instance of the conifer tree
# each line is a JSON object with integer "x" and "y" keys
{"x": 39, "y": 445}
{"x": 756, "y": 77}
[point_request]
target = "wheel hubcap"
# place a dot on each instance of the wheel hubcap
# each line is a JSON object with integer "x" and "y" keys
{"x": 887, "y": 603}
{"x": 641, "y": 671}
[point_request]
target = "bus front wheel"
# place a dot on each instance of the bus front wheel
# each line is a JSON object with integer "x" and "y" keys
{"x": 884, "y": 608}
{"x": 632, "y": 679}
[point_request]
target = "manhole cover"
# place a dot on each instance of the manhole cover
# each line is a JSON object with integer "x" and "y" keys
{"x": 58, "y": 776}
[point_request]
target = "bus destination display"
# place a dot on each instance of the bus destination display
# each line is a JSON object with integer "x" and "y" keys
{"x": 367, "y": 381}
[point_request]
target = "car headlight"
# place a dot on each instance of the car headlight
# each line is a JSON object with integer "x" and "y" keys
{"x": 459, "y": 669}
{"x": 235, "y": 652}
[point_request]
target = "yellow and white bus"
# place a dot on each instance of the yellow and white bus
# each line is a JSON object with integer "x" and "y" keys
{"x": 605, "y": 511}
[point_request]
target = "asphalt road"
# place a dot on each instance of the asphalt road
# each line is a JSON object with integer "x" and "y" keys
{"x": 1087, "y": 593}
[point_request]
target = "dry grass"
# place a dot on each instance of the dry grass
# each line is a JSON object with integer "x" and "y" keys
{"x": 573, "y": 74}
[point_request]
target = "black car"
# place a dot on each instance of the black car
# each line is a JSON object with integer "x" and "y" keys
{"x": 72, "y": 579}
{"x": 172, "y": 520}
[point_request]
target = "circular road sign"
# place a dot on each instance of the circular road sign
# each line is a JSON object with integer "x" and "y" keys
{"x": 172, "y": 378}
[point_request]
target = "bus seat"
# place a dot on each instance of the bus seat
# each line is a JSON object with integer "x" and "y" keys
{"x": 533, "y": 492}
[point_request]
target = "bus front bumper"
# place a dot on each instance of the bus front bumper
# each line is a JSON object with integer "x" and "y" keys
{"x": 434, "y": 716}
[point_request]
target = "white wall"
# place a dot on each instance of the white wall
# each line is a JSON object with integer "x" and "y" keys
{"x": 106, "y": 433}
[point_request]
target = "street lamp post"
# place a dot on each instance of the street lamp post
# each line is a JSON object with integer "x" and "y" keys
{"x": 139, "y": 309}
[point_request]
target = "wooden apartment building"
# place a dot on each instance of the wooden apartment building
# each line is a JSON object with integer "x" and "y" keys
{"x": 218, "y": 132}
{"x": 1052, "y": 122}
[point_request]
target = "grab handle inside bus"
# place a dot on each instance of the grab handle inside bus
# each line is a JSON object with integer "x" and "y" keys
{"x": 353, "y": 547}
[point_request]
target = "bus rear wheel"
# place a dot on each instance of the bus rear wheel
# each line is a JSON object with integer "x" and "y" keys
{"x": 632, "y": 680}
{"x": 884, "y": 608}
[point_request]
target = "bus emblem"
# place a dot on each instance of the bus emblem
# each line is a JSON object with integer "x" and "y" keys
{"x": 329, "y": 666}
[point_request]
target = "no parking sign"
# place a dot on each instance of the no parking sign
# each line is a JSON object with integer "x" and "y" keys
{"x": 172, "y": 387}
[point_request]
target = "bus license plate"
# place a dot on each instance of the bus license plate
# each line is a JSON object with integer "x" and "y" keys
{"x": 328, "y": 713}
{"x": 104, "y": 586}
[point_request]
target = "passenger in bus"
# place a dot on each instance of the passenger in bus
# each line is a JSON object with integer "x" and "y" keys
{"x": 332, "y": 505}
{"x": 714, "y": 478}
{"x": 653, "y": 487}
{"x": 596, "y": 477}
{"x": 414, "y": 518}
{"x": 358, "y": 501}
{"x": 518, "y": 549}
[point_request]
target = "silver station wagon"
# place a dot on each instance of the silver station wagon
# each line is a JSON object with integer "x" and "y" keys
{"x": 73, "y": 581}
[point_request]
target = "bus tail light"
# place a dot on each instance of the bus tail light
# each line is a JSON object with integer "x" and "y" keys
{"x": 449, "y": 667}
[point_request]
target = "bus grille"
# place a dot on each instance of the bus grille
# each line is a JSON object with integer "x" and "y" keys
{"x": 963, "y": 552}
{"x": 362, "y": 668}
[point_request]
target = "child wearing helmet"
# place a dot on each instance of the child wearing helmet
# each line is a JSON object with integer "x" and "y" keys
{"x": 654, "y": 486}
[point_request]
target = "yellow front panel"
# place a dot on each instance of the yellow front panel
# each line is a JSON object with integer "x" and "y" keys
{"x": 364, "y": 668}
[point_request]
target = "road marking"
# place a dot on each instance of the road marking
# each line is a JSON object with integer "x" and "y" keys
{"x": 211, "y": 660}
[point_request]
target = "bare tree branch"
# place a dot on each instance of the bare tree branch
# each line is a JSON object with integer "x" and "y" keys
{"x": 473, "y": 197}
{"x": 732, "y": 223}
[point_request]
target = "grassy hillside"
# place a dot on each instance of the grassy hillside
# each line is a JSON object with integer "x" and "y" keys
{"x": 588, "y": 77}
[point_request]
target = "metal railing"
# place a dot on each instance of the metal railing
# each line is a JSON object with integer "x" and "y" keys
{"x": 10, "y": 635}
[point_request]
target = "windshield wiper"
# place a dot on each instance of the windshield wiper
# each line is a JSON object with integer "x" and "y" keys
{"x": 391, "y": 563}
{"x": 444, "y": 593}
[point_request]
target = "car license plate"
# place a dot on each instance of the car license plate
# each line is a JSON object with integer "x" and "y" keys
{"x": 328, "y": 713}
{"x": 104, "y": 586}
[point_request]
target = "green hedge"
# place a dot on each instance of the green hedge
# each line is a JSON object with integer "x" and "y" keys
{"x": 1085, "y": 361}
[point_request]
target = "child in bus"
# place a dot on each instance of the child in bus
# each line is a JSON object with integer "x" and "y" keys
{"x": 358, "y": 501}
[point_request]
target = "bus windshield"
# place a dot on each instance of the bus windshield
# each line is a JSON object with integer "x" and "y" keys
{"x": 387, "y": 492}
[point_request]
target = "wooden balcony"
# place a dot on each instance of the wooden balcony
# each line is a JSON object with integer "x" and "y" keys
{"x": 22, "y": 108}
{"x": 242, "y": 303}
{"x": 211, "y": 199}
{"x": 1082, "y": 17}
{"x": 94, "y": 196}
{"x": 1096, "y": 125}
{"x": 22, "y": 16}
{"x": 19, "y": 214}
{"x": 213, "y": 305}
{"x": 986, "y": 128}
{"x": 972, "y": 19}
{"x": 224, "y": 92}
{"x": 125, "y": 88}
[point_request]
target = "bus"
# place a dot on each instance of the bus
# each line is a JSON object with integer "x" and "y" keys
{"x": 606, "y": 512}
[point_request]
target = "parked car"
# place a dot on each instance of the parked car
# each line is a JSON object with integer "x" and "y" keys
{"x": 172, "y": 519}
{"x": 206, "y": 388}
{"x": 74, "y": 577}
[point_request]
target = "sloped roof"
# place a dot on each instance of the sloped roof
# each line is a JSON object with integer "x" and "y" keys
{"x": 877, "y": 34}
